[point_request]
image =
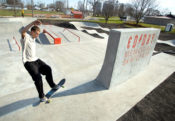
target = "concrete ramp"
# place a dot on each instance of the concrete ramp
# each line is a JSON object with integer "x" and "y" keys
{"x": 79, "y": 26}
{"x": 128, "y": 52}
{"x": 10, "y": 36}
{"x": 25, "y": 21}
{"x": 10, "y": 27}
{"x": 66, "y": 35}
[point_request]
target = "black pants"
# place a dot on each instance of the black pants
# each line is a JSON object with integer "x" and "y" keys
{"x": 35, "y": 69}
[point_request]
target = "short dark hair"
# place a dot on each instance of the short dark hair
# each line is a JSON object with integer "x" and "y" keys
{"x": 35, "y": 28}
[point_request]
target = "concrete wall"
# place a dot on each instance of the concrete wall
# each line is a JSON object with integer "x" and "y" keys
{"x": 128, "y": 52}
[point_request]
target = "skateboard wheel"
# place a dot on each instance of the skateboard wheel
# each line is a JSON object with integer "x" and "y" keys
{"x": 48, "y": 101}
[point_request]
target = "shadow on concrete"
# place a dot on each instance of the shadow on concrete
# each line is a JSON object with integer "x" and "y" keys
{"x": 16, "y": 106}
{"x": 10, "y": 47}
{"x": 64, "y": 36}
{"x": 84, "y": 88}
{"x": 88, "y": 87}
{"x": 42, "y": 39}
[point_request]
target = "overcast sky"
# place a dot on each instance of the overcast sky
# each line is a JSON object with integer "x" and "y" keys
{"x": 168, "y": 5}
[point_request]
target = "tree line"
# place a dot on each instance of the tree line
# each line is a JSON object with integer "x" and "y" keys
{"x": 136, "y": 9}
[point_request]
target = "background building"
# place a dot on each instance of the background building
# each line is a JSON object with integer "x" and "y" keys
{"x": 158, "y": 20}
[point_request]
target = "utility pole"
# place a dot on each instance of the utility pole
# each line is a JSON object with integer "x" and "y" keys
{"x": 53, "y": 5}
{"x": 67, "y": 4}
{"x": 84, "y": 8}
{"x": 32, "y": 7}
{"x": 14, "y": 4}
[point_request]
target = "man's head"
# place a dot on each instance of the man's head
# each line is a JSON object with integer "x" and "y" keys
{"x": 35, "y": 31}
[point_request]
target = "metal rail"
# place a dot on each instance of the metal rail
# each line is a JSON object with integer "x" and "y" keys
{"x": 56, "y": 40}
{"x": 17, "y": 43}
{"x": 44, "y": 31}
{"x": 72, "y": 33}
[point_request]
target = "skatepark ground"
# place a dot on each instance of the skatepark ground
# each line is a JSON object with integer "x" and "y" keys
{"x": 146, "y": 97}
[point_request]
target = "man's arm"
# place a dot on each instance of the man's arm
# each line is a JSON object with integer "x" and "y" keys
{"x": 25, "y": 29}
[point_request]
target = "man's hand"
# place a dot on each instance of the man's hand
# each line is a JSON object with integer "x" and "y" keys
{"x": 37, "y": 22}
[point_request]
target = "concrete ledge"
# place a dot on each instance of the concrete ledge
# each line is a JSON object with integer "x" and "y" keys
{"x": 128, "y": 52}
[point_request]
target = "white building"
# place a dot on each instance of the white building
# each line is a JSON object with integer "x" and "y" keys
{"x": 2, "y": 1}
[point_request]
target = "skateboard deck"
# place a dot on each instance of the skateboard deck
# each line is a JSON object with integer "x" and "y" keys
{"x": 52, "y": 91}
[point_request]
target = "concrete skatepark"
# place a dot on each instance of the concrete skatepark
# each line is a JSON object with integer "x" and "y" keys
{"x": 83, "y": 98}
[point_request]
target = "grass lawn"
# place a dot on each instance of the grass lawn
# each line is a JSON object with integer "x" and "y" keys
{"x": 162, "y": 28}
{"x": 28, "y": 12}
{"x": 112, "y": 20}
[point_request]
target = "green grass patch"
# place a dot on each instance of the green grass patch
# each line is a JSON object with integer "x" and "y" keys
{"x": 42, "y": 12}
{"x": 133, "y": 25}
{"x": 112, "y": 20}
{"x": 173, "y": 31}
{"x": 18, "y": 12}
{"x": 9, "y": 12}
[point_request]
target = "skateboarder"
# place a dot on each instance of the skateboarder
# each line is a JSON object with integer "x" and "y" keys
{"x": 34, "y": 65}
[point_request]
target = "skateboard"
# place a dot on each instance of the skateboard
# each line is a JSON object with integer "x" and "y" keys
{"x": 52, "y": 91}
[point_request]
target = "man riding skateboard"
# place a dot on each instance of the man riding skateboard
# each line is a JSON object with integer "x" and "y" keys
{"x": 34, "y": 65}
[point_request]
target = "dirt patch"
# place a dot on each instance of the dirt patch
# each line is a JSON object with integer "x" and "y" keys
{"x": 156, "y": 106}
{"x": 166, "y": 36}
{"x": 165, "y": 48}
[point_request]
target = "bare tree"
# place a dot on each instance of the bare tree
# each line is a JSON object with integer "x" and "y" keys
{"x": 152, "y": 12}
{"x": 121, "y": 11}
{"x": 107, "y": 10}
{"x": 29, "y": 6}
{"x": 165, "y": 11}
{"x": 42, "y": 5}
{"x": 14, "y": 3}
{"x": 51, "y": 6}
{"x": 141, "y": 8}
{"x": 98, "y": 6}
{"x": 80, "y": 6}
{"x": 86, "y": 5}
{"x": 116, "y": 8}
{"x": 22, "y": 5}
{"x": 11, "y": 2}
{"x": 93, "y": 3}
{"x": 59, "y": 6}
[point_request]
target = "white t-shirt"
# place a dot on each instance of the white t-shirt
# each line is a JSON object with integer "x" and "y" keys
{"x": 28, "y": 49}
